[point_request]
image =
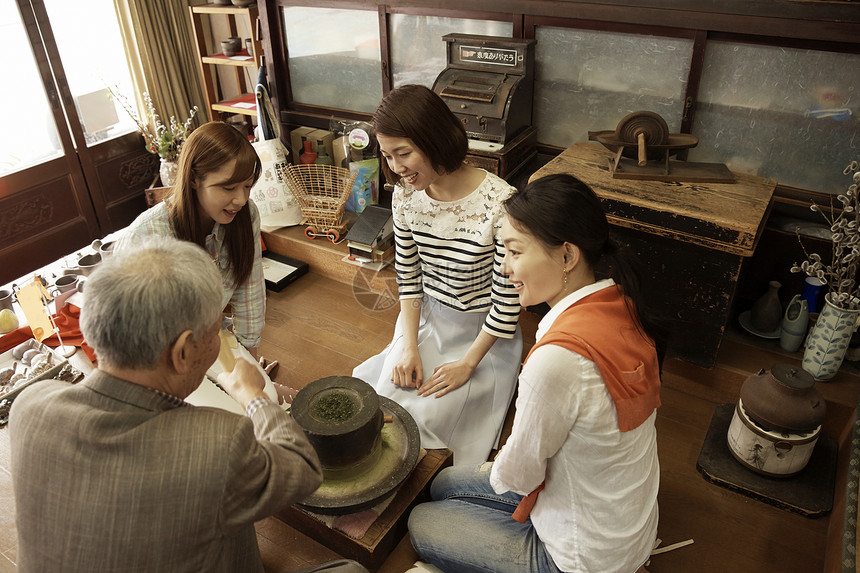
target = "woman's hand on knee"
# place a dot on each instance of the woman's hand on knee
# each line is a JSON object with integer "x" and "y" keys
{"x": 446, "y": 378}
{"x": 409, "y": 372}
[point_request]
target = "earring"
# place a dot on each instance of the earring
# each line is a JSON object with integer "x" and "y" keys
{"x": 564, "y": 277}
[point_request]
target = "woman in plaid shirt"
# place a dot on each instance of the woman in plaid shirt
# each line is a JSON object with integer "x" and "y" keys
{"x": 210, "y": 205}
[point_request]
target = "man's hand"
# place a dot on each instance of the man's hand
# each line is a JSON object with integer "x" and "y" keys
{"x": 244, "y": 383}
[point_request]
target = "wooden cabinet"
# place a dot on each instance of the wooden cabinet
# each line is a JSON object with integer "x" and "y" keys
{"x": 690, "y": 239}
{"x": 242, "y": 63}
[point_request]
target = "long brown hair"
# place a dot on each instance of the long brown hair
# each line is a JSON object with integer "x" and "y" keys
{"x": 417, "y": 113}
{"x": 207, "y": 149}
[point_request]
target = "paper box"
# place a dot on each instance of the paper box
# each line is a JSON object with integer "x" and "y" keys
{"x": 297, "y": 141}
{"x": 365, "y": 190}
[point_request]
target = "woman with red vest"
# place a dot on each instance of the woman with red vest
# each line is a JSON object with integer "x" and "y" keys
{"x": 575, "y": 486}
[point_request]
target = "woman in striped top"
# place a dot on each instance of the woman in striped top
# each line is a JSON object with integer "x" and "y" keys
{"x": 456, "y": 351}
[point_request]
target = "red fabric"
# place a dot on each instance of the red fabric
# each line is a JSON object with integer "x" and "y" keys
{"x": 67, "y": 323}
{"x": 526, "y": 504}
{"x": 600, "y": 328}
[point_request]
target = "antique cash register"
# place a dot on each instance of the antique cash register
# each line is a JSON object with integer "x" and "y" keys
{"x": 488, "y": 84}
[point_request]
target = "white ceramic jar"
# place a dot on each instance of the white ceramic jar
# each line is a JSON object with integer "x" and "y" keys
{"x": 768, "y": 452}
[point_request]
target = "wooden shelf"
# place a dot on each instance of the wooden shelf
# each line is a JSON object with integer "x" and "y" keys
{"x": 222, "y": 60}
{"x": 246, "y": 103}
{"x": 222, "y": 9}
{"x": 238, "y": 105}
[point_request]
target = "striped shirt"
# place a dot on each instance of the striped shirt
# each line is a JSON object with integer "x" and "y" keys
{"x": 248, "y": 300}
{"x": 452, "y": 251}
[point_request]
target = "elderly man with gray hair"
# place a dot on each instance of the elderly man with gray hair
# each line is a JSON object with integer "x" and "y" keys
{"x": 118, "y": 473}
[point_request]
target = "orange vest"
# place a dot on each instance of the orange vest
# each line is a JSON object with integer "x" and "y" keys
{"x": 600, "y": 328}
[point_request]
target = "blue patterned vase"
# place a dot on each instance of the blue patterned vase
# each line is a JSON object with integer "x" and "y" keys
{"x": 828, "y": 341}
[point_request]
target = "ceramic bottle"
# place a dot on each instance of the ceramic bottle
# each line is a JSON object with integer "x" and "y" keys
{"x": 767, "y": 310}
{"x": 794, "y": 324}
{"x": 308, "y": 156}
{"x": 322, "y": 157}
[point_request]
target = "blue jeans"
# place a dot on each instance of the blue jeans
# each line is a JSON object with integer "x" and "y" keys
{"x": 468, "y": 527}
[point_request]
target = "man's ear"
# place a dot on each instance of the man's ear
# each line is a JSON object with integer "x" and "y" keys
{"x": 179, "y": 353}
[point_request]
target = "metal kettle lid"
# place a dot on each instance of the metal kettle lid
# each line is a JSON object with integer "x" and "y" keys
{"x": 783, "y": 399}
{"x": 792, "y": 376}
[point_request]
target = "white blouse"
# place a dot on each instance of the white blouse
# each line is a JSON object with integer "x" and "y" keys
{"x": 598, "y": 511}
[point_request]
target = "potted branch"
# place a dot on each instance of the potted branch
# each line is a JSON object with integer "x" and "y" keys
{"x": 829, "y": 338}
{"x": 162, "y": 140}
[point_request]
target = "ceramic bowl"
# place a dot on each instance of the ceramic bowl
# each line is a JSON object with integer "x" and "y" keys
{"x": 228, "y": 48}
{"x": 88, "y": 263}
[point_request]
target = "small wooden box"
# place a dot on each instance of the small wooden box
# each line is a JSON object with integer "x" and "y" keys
{"x": 154, "y": 195}
{"x": 372, "y": 549}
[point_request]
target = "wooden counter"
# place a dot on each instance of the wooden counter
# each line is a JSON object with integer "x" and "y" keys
{"x": 690, "y": 237}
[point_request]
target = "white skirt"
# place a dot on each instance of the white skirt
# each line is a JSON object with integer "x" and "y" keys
{"x": 468, "y": 420}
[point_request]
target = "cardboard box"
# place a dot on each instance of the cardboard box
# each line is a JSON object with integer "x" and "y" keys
{"x": 321, "y": 136}
{"x": 297, "y": 142}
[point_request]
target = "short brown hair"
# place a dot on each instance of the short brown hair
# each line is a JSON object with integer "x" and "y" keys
{"x": 416, "y": 112}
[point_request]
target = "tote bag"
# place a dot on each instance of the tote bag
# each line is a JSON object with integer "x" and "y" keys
{"x": 278, "y": 207}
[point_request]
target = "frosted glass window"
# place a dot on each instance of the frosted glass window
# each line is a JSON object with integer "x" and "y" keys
{"x": 418, "y": 53}
{"x": 588, "y": 81}
{"x": 786, "y": 114}
{"x": 334, "y": 59}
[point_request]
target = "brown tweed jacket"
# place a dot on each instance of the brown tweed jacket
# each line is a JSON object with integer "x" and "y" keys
{"x": 111, "y": 476}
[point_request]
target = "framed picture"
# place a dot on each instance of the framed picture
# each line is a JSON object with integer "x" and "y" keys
{"x": 280, "y": 270}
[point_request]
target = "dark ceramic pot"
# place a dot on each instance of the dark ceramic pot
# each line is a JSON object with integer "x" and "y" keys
{"x": 341, "y": 417}
{"x": 766, "y": 312}
{"x": 784, "y": 399}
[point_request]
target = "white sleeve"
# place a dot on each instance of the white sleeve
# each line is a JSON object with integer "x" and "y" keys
{"x": 547, "y": 408}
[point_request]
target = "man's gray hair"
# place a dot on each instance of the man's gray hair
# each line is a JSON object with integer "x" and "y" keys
{"x": 138, "y": 301}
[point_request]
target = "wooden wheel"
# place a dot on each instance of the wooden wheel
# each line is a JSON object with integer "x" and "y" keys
{"x": 310, "y": 232}
{"x": 333, "y": 235}
{"x": 642, "y": 128}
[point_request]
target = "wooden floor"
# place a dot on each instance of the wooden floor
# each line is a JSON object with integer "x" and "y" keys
{"x": 316, "y": 328}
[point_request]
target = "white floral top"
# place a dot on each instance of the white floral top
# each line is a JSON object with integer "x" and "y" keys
{"x": 452, "y": 251}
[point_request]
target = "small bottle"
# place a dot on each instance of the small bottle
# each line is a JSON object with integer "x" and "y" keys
{"x": 322, "y": 157}
{"x": 308, "y": 156}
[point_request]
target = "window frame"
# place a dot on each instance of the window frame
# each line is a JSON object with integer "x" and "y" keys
{"x": 814, "y": 25}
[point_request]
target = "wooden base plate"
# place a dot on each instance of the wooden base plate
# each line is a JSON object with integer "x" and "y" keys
{"x": 685, "y": 171}
{"x": 809, "y": 493}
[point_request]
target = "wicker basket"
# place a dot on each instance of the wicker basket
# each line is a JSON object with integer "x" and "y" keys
{"x": 321, "y": 191}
